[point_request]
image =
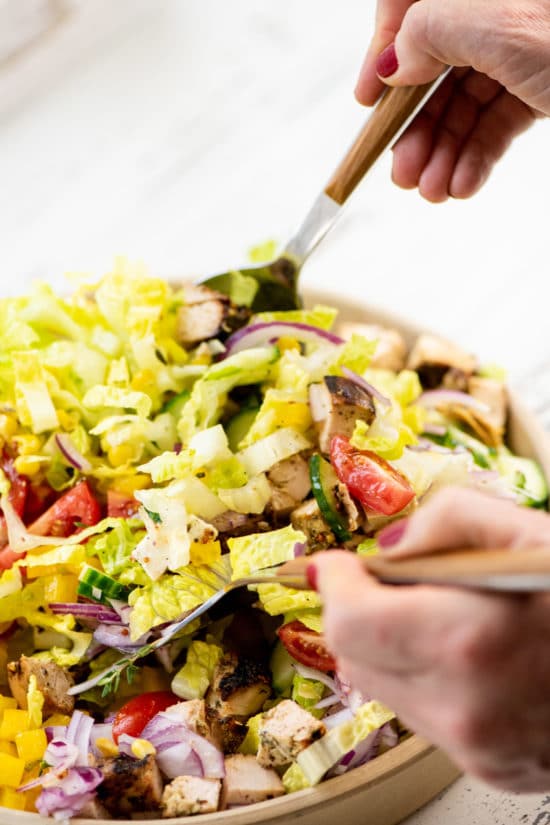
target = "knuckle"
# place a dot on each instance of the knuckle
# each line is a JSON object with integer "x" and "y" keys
{"x": 466, "y": 729}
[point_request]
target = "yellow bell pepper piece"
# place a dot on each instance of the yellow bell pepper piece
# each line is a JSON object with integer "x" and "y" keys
{"x": 31, "y": 744}
{"x": 287, "y": 343}
{"x": 13, "y": 722}
{"x": 10, "y": 798}
{"x": 106, "y": 746}
{"x": 7, "y": 702}
{"x": 9, "y": 748}
{"x": 206, "y": 553}
{"x": 11, "y": 770}
{"x": 129, "y": 484}
{"x": 60, "y": 587}
{"x": 30, "y": 799}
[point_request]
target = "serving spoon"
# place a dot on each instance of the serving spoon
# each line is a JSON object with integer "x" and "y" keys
{"x": 273, "y": 286}
{"x": 509, "y": 571}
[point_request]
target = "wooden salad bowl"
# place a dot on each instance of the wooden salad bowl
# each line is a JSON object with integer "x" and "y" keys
{"x": 400, "y": 781}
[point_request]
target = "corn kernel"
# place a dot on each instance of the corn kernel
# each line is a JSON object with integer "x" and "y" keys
{"x": 10, "y": 798}
{"x": 28, "y": 444}
{"x": 144, "y": 381}
{"x": 142, "y": 748}
{"x": 60, "y": 588}
{"x": 121, "y": 454}
{"x": 287, "y": 343}
{"x": 31, "y": 744}
{"x": 57, "y": 719}
{"x": 11, "y": 770}
{"x": 9, "y": 748}
{"x": 129, "y": 484}
{"x": 29, "y": 465}
{"x": 7, "y": 702}
{"x": 13, "y": 722}
{"x": 106, "y": 746}
{"x": 68, "y": 420}
{"x": 8, "y": 426}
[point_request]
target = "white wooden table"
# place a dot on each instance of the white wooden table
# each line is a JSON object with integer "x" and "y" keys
{"x": 180, "y": 132}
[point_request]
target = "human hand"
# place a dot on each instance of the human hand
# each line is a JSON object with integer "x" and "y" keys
{"x": 502, "y": 83}
{"x": 468, "y": 670}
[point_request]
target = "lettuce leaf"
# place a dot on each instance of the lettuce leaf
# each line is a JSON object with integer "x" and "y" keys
{"x": 249, "y": 554}
{"x": 174, "y": 594}
{"x": 115, "y": 547}
{"x": 356, "y": 354}
{"x": 193, "y": 679}
{"x": 276, "y": 599}
{"x": 35, "y": 408}
{"x": 320, "y": 316}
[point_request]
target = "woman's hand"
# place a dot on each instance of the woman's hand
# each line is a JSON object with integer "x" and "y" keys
{"x": 470, "y": 671}
{"x": 502, "y": 83}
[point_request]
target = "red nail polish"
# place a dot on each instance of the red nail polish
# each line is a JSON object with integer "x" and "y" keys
{"x": 311, "y": 576}
{"x": 387, "y": 64}
{"x": 392, "y": 534}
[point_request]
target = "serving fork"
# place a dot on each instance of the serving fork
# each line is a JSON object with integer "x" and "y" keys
{"x": 509, "y": 571}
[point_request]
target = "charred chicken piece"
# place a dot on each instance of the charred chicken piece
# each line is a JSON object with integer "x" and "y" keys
{"x": 493, "y": 394}
{"x": 246, "y": 781}
{"x": 51, "y": 680}
{"x": 309, "y": 519}
{"x": 188, "y": 795}
{"x": 130, "y": 785}
{"x": 436, "y": 359}
{"x": 336, "y": 405}
{"x": 193, "y": 714}
{"x": 227, "y": 732}
{"x": 239, "y": 687}
{"x": 207, "y": 314}
{"x": 285, "y": 731}
{"x": 290, "y": 482}
{"x": 391, "y": 350}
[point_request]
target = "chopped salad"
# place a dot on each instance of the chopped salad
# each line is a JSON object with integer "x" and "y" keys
{"x": 157, "y": 442}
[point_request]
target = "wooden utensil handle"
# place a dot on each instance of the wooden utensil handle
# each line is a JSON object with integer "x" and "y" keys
{"x": 449, "y": 567}
{"x": 379, "y": 132}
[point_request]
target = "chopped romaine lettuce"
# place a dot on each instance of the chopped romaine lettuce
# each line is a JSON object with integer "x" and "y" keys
{"x": 255, "y": 552}
{"x": 192, "y": 680}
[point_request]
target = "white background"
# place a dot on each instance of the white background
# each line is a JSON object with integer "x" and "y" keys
{"x": 180, "y": 132}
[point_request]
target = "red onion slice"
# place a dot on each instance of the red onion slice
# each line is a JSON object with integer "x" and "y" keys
{"x": 86, "y": 611}
{"x": 71, "y": 454}
{"x": 434, "y": 398}
{"x": 71, "y": 794}
{"x": 265, "y": 333}
{"x": 435, "y": 429}
{"x": 180, "y": 760}
{"x": 360, "y": 381}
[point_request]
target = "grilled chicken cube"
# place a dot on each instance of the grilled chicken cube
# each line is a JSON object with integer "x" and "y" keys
{"x": 291, "y": 484}
{"x": 284, "y": 732}
{"x": 199, "y": 322}
{"x": 187, "y": 795}
{"x": 391, "y": 350}
{"x": 309, "y": 519}
{"x": 433, "y": 357}
{"x": 336, "y": 405}
{"x": 493, "y": 394}
{"x": 51, "y": 680}
{"x": 130, "y": 785}
{"x": 239, "y": 687}
{"x": 246, "y": 781}
{"x": 193, "y": 714}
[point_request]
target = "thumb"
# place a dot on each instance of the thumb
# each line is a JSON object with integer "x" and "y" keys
{"x": 432, "y": 36}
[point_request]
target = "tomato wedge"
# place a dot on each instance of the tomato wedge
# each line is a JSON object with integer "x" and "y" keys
{"x": 120, "y": 505}
{"x": 76, "y": 507}
{"x": 306, "y": 646}
{"x": 369, "y": 478}
{"x": 134, "y": 715}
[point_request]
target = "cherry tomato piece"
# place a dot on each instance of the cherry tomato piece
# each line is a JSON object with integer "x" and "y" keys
{"x": 135, "y": 714}
{"x": 306, "y": 646}
{"x": 75, "y": 508}
{"x": 120, "y": 505}
{"x": 369, "y": 478}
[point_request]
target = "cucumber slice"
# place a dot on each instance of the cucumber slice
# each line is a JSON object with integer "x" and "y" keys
{"x": 239, "y": 425}
{"x": 99, "y": 583}
{"x": 176, "y": 404}
{"x": 481, "y": 452}
{"x": 526, "y": 478}
{"x": 282, "y": 669}
{"x": 323, "y": 481}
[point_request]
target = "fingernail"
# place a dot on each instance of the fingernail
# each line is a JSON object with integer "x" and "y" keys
{"x": 392, "y": 534}
{"x": 311, "y": 576}
{"x": 387, "y": 64}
